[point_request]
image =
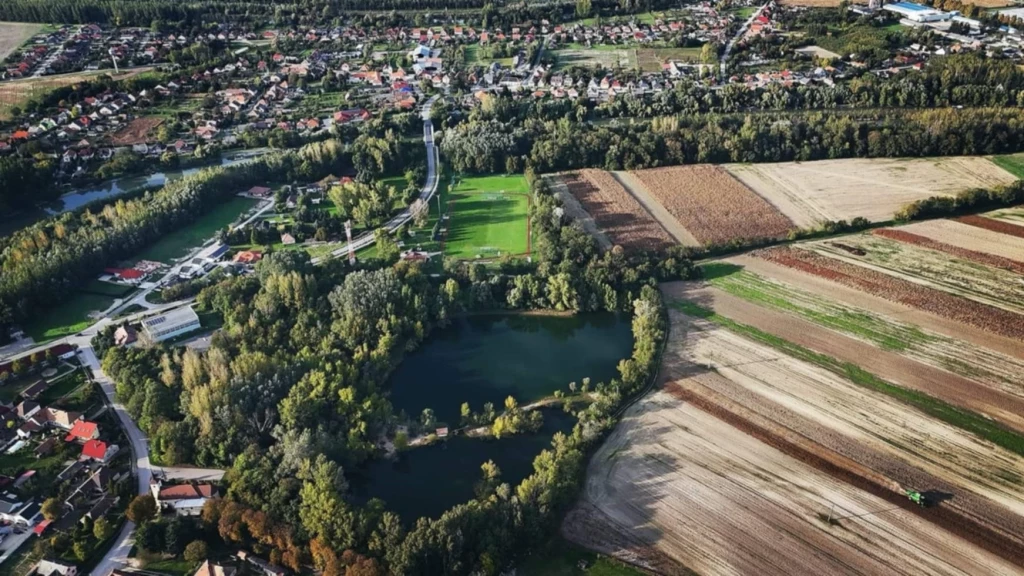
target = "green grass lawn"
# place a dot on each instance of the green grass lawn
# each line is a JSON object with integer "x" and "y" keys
{"x": 564, "y": 559}
{"x": 488, "y": 217}
{"x": 1012, "y": 163}
{"x": 173, "y": 566}
{"x": 61, "y": 388}
{"x": 66, "y": 318}
{"x": 180, "y": 242}
{"x": 101, "y": 288}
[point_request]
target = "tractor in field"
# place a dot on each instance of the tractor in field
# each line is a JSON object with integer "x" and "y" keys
{"x": 917, "y": 497}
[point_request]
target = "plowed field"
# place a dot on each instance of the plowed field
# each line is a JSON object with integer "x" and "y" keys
{"x": 674, "y": 478}
{"x": 136, "y": 132}
{"x": 970, "y": 237}
{"x": 990, "y": 318}
{"x": 615, "y": 211}
{"x": 712, "y": 205}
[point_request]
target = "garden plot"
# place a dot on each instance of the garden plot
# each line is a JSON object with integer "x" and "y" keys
{"x": 718, "y": 501}
{"x": 603, "y": 56}
{"x": 615, "y": 211}
{"x": 889, "y": 439}
{"x": 970, "y": 238}
{"x": 981, "y": 282}
{"x": 712, "y": 205}
{"x": 996, "y": 371}
{"x": 873, "y": 188}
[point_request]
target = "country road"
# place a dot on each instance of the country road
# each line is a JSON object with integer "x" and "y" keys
{"x": 426, "y": 193}
{"x": 734, "y": 39}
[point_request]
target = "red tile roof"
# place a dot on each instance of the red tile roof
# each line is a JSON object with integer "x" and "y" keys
{"x": 82, "y": 430}
{"x": 95, "y": 449}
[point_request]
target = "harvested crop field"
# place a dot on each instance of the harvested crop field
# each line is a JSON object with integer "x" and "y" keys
{"x": 1003, "y": 225}
{"x": 875, "y": 436}
{"x": 908, "y": 237}
{"x": 674, "y": 478}
{"x": 952, "y": 369}
{"x": 712, "y": 205}
{"x": 970, "y": 238}
{"x": 873, "y": 188}
{"x": 990, "y": 318}
{"x": 615, "y": 211}
{"x": 18, "y": 92}
{"x": 14, "y": 34}
{"x": 972, "y": 278}
{"x": 136, "y": 132}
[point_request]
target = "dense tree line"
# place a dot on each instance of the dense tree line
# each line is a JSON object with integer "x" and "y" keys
{"x": 24, "y": 182}
{"x": 43, "y": 262}
{"x": 968, "y": 201}
{"x": 564, "y": 144}
{"x": 293, "y": 392}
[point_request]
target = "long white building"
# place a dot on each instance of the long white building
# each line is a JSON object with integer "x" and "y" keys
{"x": 170, "y": 324}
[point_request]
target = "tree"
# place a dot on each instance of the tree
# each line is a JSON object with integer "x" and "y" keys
{"x": 196, "y": 552}
{"x": 102, "y": 529}
{"x": 322, "y": 507}
{"x": 152, "y": 536}
{"x": 81, "y": 550}
{"x": 52, "y": 508}
{"x": 141, "y": 509}
{"x": 583, "y": 8}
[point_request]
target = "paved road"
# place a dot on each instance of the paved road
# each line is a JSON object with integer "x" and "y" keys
{"x": 117, "y": 556}
{"x": 426, "y": 193}
{"x": 732, "y": 42}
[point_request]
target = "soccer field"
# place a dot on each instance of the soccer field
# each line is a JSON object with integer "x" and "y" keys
{"x": 488, "y": 217}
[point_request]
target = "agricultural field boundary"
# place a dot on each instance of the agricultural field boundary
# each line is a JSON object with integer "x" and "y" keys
{"x": 637, "y": 190}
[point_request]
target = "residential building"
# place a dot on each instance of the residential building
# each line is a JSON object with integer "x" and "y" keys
{"x": 125, "y": 335}
{"x": 55, "y": 568}
{"x": 185, "y": 499}
{"x": 213, "y": 569}
{"x": 83, "y": 431}
{"x": 99, "y": 451}
{"x": 170, "y": 324}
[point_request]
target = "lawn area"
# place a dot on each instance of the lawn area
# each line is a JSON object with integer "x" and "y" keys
{"x": 488, "y": 217}
{"x": 101, "y": 288}
{"x": 66, "y": 318}
{"x": 180, "y": 242}
{"x": 604, "y": 55}
{"x": 1012, "y": 163}
{"x": 173, "y": 566}
{"x": 650, "y": 59}
{"x": 744, "y": 12}
{"x": 564, "y": 559}
{"x": 62, "y": 387}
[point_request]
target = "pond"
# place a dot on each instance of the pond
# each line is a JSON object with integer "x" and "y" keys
{"x": 482, "y": 359}
{"x": 427, "y": 481}
{"x": 110, "y": 189}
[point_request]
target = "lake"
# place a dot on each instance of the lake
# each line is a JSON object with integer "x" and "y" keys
{"x": 482, "y": 359}
{"x": 113, "y": 188}
{"x": 427, "y": 481}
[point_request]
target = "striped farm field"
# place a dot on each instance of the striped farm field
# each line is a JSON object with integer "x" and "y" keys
{"x": 712, "y": 206}
{"x": 615, "y": 211}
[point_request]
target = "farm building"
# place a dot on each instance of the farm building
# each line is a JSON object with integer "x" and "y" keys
{"x": 170, "y": 324}
{"x": 918, "y": 13}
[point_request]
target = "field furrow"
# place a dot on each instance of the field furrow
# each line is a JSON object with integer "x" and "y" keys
{"x": 616, "y": 212}
{"x": 990, "y": 318}
{"x": 712, "y": 205}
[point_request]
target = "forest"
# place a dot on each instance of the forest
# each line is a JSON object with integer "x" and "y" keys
{"x": 293, "y": 392}
{"x": 43, "y": 262}
{"x": 480, "y": 144}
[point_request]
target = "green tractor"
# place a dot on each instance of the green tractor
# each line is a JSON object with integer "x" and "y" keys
{"x": 917, "y": 498}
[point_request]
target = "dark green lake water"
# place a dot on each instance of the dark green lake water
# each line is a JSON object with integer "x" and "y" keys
{"x": 485, "y": 359}
{"x": 427, "y": 481}
{"x": 488, "y": 358}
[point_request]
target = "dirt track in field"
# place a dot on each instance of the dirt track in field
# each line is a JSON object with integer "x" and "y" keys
{"x": 719, "y": 501}
{"x": 854, "y": 297}
{"x": 970, "y": 238}
{"x": 890, "y": 366}
{"x": 894, "y": 442}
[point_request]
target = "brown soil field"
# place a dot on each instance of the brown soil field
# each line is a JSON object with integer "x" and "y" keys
{"x": 18, "y": 92}
{"x": 954, "y": 355}
{"x": 976, "y": 314}
{"x": 14, "y": 34}
{"x": 893, "y": 441}
{"x": 712, "y": 205}
{"x": 137, "y": 131}
{"x": 654, "y": 208}
{"x": 970, "y": 237}
{"x": 1002, "y": 400}
{"x": 615, "y": 211}
{"x": 993, "y": 225}
{"x": 719, "y": 501}
{"x": 903, "y": 235}
{"x": 858, "y": 300}
{"x": 967, "y": 278}
{"x": 873, "y": 188}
